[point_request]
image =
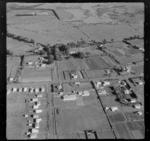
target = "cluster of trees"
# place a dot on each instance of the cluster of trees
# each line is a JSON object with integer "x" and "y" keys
{"x": 56, "y": 51}
{"x": 53, "y": 53}
{"x": 79, "y": 55}
{"x": 20, "y": 38}
{"x": 8, "y": 52}
{"x": 132, "y": 38}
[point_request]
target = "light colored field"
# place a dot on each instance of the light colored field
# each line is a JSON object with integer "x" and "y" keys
{"x": 104, "y": 31}
{"x": 75, "y": 120}
{"x": 108, "y": 134}
{"x": 12, "y": 65}
{"x": 41, "y": 27}
{"x": 138, "y": 69}
{"x": 134, "y": 58}
{"x": 137, "y": 42}
{"x": 35, "y": 75}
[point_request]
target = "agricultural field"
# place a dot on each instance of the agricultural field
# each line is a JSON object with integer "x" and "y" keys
{"x": 95, "y": 74}
{"x": 130, "y": 130}
{"x": 80, "y": 119}
{"x": 135, "y": 58}
{"x": 36, "y": 74}
{"x": 138, "y": 68}
{"x": 138, "y": 43}
{"x": 13, "y": 64}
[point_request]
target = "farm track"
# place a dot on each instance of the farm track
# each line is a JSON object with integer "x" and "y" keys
{"x": 93, "y": 79}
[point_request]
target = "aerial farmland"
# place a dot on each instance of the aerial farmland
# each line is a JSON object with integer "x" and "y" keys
{"x": 75, "y": 71}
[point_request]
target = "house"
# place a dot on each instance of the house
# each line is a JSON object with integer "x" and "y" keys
{"x": 35, "y": 130}
{"x": 34, "y": 99}
{"x": 25, "y": 89}
{"x": 30, "y": 63}
{"x": 86, "y": 93}
{"x": 69, "y": 97}
{"x": 20, "y": 90}
{"x": 33, "y": 136}
{"x": 139, "y": 113}
{"x": 133, "y": 100}
{"x": 74, "y": 75}
{"x": 35, "y": 116}
{"x": 11, "y": 79}
{"x": 43, "y": 65}
{"x": 106, "y": 108}
{"x": 127, "y": 91}
{"x": 77, "y": 83}
{"x": 98, "y": 84}
{"x": 36, "y": 106}
{"x": 39, "y": 95}
{"x": 38, "y": 111}
{"x": 31, "y": 90}
{"x": 8, "y": 91}
{"x": 106, "y": 83}
{"x": 114, "y": 109}
{"x": 102, "y": 92}
{"x": 59, "y": 86}
{"x": 72, "y": 52}
{"x": 14, "y": 89}
{"x": 80, "y": 93}
{"x": 137, "y": 106}
{"x": 107, "y": 71}
{"x": 37, "y": 90}
{"x": 42, "y": 89}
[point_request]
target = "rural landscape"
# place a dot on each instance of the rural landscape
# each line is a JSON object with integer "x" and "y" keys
{"x": 75, "y": 71}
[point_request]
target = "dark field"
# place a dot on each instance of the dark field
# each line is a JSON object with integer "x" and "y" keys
{"x": 114, "y": 118}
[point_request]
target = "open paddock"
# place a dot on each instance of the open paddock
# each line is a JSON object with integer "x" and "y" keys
{"x": 58, "y": 102}
{"x": 13, "y": 64}
{"x": 36, "y": 74}
{"x": 92, "y": 98}
{"x": 130, "y": 59}
{"x": 101, "y": 62}
{"x": 137, "y": 42}
{"x": 122, "y": 131}
{"x": 137, "y": 126}
{"x": 108, "y": 134}
{"x": 66, "y": 75}
{"x": 114, "y": 118}
{"x": 14, "y": 71}
{"x": 132, "y": 51}
{"x": 95, "y": 73}
{"x": 138, "y": 69}
{"x": 80, "y": 119}
{"x": 72, "y": 64}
